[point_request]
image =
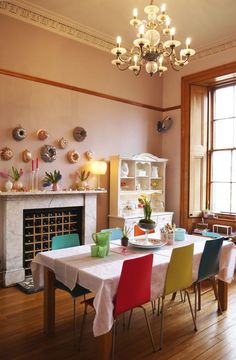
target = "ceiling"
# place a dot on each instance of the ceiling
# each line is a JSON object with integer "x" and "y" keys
{"x": 207, "y": 22}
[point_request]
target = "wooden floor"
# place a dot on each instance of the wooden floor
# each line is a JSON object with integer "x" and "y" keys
{"x": 21, "y": 335}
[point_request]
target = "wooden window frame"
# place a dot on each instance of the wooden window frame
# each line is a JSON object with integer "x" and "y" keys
{"x": 212, "y": 77}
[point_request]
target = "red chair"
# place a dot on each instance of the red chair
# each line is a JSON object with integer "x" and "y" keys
{"x": 134, "y": 290}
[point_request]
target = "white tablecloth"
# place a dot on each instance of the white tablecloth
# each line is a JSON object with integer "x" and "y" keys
{"x": 101, "y": 275}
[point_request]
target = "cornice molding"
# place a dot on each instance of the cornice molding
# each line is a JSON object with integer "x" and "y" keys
{"x": 37, "y": 16}
{"x": 60, "y": 25}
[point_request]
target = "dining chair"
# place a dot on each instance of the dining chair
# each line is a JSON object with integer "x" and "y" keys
{"x": 115, "y": 233}
{"x": 208, "y": 269}
{"x": 62, "y": 242}
{"x": 134, "y": 290}
{"x": 178, "y": 277}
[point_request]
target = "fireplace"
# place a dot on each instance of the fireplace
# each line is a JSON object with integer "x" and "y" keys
{"x": 71, "y": 211}
{"x": 40, "y": 225}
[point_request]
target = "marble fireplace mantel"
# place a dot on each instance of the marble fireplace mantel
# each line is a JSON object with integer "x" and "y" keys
{"x": 12, "y": 205}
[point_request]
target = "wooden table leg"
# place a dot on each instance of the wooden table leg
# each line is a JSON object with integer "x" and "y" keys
{"x": 49, "y": 301}
{"x": 105, "y": 344}
{"x": 223, "y": 294}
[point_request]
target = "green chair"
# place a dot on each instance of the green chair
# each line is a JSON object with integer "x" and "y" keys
{"x": 62, "y": 242}
{"x": 208, "y": 268}
{"x": 179, "y": 277}
{"x": 116, "y": 233}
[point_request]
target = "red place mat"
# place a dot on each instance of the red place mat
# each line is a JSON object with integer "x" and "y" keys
{"x": 123, "y": 250}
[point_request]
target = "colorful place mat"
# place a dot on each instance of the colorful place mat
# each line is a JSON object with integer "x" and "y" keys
{"x": 123, "y": 250}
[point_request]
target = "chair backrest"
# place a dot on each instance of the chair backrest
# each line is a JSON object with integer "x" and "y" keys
{"x": 180, "y": 269}
{"x": 116, "y": 233}
{"x": 209, "y": 264}
{"x": 65, "y": 241}
{"x": 134, "y": 288}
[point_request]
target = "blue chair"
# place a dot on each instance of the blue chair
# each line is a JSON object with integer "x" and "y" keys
{"x": 208, "y": 268}
{"x": 116, "y": 233}
{"x": 62, "y": 242}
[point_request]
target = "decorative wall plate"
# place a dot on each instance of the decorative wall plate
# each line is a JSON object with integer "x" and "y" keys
{"x": 79, "y": 133}
{"x": 6, "y": 153}
{"x": 89, "y": 154}
{"x": 48, "y": 153}
{"x": 42, "y": 134}
{"x": 63, "y": 143}
{"x": 26, "y": 156}
{"x": 73, "y": 156}
{"x": 19, "y": 133}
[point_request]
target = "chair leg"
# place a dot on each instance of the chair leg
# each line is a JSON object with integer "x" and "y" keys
{"x": 123, "y": 318}
{"x": 83, "y": 324}
{"x": 173, "y": 296}
{"x": 158, "y": 306}
{"x": 195, "y": 301}
{"x": 130, "y": 317}
{"x": 191, "y": 309}
{"x": 113, "y": 339}
{"x": 162, "y": 322}
{"x": 153, "y": 303}
{"x": 216, "y": 294}
{"x": 199, "y": 296}
{"x": 149, "y": 329}
{"x": 74, "y": 315}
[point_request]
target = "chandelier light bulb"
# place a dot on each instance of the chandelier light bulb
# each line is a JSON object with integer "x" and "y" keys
{"x": 135, "y": 13}
{"x": 154, "y": 48}
{"x": 163, "y": 8}
{"x": 188, "y": 42}
{"x": 118, "y": 41}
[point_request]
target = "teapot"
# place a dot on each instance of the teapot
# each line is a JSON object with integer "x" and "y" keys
{"x": 102, "y": 243}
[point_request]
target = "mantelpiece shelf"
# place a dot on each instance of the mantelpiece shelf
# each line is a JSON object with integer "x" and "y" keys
{"x": 139, "y": 192}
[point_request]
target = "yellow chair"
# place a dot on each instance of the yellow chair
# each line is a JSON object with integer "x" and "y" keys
{"x": 178, "y": 277}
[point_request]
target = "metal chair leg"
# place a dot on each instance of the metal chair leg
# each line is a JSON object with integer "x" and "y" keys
{"x": 158, "y": 306}
{"x": 130, "y": 317}
{"x": 153, "y": 303}
{"x": 74, "y": 314}
{"x": 191, "y": 309}
{"x": 162, "y": 322}
{"x": 199, "y": 295}
{"x": 123, "y": 318}
{"x": 195, "y": 300}
{"x": 173, "y": 296}
{"x": 113, "y": 339}
{"x": 216, "y": 295}
{"x": 82, "y": 325}
{"x": 149, "y": 329}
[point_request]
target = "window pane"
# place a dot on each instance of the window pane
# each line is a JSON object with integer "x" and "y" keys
{"x": 224, "y": 102}
{"x": 223, "y": 134}
{"x": 234, "y": 166}
{"x": 221, "y": 197}
{"x": 233, "y": 198}
{"x": 221, "y": 165}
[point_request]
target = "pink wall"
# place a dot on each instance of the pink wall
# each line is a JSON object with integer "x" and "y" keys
{"x": 171, "y": 145}
{"x": 112, "y": 127}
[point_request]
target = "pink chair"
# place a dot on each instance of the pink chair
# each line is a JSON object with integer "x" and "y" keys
{"x": 134, "y": 290}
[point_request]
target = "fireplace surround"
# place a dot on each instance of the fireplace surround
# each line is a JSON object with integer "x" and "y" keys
{"x": 12, "y": 207}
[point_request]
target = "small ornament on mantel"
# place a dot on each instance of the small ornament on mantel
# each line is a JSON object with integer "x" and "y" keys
{"x": 63, "y": 143}
{"x": 6, "y": 153}
{"x": 26, "y": 156}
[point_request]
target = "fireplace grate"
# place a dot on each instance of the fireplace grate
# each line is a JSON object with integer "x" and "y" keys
{"x": 40, "y": 225}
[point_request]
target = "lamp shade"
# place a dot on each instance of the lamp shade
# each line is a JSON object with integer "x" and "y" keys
{"x": 98, "y": 167}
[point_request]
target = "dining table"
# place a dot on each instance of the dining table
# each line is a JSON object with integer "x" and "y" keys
{"x": 75, "y": 265}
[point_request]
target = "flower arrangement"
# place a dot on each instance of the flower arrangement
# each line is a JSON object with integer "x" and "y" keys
{"x": 83, "y": 175}
{"x": 125, "y": 235}
{"x": 168, "y": 229}
{"x": 51, "y": 178}
{"x": 147, "y": 209}
{"x": 14, "y": 174}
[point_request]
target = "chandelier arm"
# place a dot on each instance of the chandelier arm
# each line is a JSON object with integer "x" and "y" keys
{"x": 122, "y": 68}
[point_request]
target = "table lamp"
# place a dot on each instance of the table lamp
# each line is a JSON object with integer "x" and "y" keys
{"x": 98, "y": 168}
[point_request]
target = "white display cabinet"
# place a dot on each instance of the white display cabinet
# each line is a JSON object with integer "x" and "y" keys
{"x": 132, "y": 177}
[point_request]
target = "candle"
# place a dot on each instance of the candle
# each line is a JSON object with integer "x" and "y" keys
{"x": 118, "y": 41}
{"x": 32, "y": 165}
{"x": 37, "y": 163}
{"x": 188, "y": 42}
{"x": 163, "y": 8}
{"x": 135, "y": 13}
{"x": 172, "y": 33}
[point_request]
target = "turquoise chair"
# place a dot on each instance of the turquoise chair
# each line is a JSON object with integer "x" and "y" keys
{"x": 179, "y": 277}
{"x": 62, "y": 242}
{"x": 208, "y": 268}
{"x": 116, "y": 233}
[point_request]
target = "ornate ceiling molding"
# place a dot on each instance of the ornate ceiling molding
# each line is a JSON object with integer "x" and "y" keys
{"x": 60, "y": 25}
{"x": 34, "y": 15}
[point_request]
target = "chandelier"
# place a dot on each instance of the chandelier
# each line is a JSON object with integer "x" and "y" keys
{"x": 155, "y": 45}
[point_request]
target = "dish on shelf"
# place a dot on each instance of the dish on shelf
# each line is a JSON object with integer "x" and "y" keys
{"x": 152, "y": 243}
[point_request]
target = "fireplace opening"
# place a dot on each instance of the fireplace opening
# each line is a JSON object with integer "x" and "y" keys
{"x": 40, "y": 225}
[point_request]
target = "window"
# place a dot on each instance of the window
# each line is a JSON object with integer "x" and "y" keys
{"x": 223, "y": 150}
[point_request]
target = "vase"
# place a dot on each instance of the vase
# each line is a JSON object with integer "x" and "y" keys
{"x": 146, "y": 227}
{"x": 8, "y": 185}
{"x": 55, "y": 187}
{"x": 17, "y": 185}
